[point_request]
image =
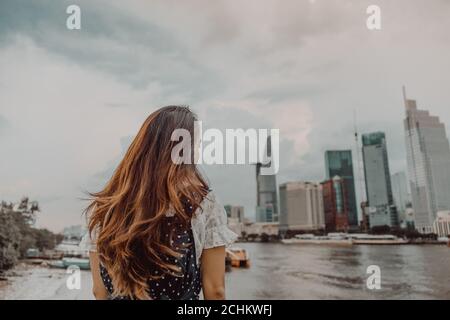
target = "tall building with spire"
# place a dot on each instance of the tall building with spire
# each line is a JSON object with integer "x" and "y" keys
{"x": 428, "y": 158}
{"x": 266, "y": 191}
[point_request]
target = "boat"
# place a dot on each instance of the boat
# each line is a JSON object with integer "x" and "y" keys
{"x": 371, "y": 239}
{"x": 238, "y": 256}
{"x": 331, "y": 239}
{"x": 65, "y": 263}
{"x": 72, "y": 249}
{"x": 228, "y": 266}
{"x": 346, "y": 239}
{"x": 441, "y": 240}
{"x": 56, "y": 264}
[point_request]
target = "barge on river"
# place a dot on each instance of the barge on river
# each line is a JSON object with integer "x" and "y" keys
{"x": 345, "y": 239}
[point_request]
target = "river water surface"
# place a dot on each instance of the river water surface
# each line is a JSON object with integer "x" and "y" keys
{"x": 289, "y": 272}
{"x": 281, "y": 271}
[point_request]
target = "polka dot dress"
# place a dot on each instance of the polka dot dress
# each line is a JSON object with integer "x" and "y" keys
{"x": 187, "y": 285}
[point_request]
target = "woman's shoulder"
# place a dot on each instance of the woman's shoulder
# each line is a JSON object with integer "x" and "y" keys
{"x": 210, "y": 223}
{"x": 211, "y": 205}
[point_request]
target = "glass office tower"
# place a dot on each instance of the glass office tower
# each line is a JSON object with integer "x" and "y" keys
{"x": 382, "y": 210}
{"x": 339, "y": 163}
{"x": 428, "y": 158}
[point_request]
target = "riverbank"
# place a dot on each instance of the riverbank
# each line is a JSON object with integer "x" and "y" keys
{"x": 414, "y": 242}
{"x": 35, "y": 282}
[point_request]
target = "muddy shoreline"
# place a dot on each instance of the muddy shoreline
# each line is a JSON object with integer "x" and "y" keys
{"x": 28, "y": 281}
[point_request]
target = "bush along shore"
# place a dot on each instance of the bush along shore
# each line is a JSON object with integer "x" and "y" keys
{"x": 17, "y": 234}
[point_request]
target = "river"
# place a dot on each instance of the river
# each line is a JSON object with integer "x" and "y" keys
{"x": 323, "y": 272}
{"x": 290, "y": 272}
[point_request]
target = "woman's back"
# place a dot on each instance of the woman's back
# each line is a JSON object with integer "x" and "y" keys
{"x": 186, "y": 285}
{"x": 207, "y": 229}
{"x": 156, "y": 218}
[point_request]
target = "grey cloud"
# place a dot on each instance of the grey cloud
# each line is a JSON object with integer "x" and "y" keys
{"x": 4, "y": 125}
{"x": 117, "y": 105}
{"x": 99, "y": 179}
{"x": 133, "y": 50}
{"x": 47, "y": 199}
{"x": 286, "y": 53}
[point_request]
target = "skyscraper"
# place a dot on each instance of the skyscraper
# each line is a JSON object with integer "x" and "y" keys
{"x": 301, "y": 207}
{"x": 428, "y": 158}
{"x": 400, "y": 191}
{"x": 382, "y": 210}
{"x": 266, "y": 192}
{"x": 339, "y": 163}
{"x": 402, "y": 198}
{"x": 335, "y": 205}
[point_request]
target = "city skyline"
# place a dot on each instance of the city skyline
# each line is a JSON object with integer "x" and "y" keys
{"x": 71, "y": 101}
{"x": 387, "y": 195}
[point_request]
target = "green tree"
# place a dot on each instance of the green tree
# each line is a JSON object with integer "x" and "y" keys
{"x": 17, "y": 235}
{"x": 10, "y": 239}
{"x": 44, "y": 239}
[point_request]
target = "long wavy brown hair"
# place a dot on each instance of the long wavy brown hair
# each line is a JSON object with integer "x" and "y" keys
{"x": 127, "y": 216}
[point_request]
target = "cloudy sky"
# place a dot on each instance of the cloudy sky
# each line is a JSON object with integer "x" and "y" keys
{"x": 71, "y": 100}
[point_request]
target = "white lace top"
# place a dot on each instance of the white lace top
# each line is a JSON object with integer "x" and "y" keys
{"x": 209, "y": 227}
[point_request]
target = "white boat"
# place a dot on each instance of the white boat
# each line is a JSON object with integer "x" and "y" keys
{"x": 65, "y": 263}
{"x": 346, "y": 239}
{"x": 370, "y": 239}
{"x": 443, "y": 240}
{"x": 330, "y": 239}
{"x": 72, "y": 249}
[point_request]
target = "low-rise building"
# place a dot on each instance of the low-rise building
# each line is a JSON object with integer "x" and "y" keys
{"x": 301, "y": 207}
{"x": 335, "y": 205}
